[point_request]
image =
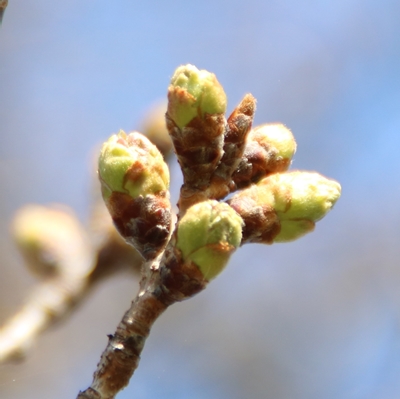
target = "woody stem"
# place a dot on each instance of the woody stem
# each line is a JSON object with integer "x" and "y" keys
{"x": 121, "y": 357}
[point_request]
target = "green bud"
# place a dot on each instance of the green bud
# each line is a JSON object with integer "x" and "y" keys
{"x": 269, "y": 149}
{"x": 208, "y": 234}
{"x": 277, "y": 137}
{"x": 192, "y": 93}
{"x": 300, "y": 199}
{"x": 284, "y": 206}
{"x": 134, "y": 180}
{"x": 132, "y": 165}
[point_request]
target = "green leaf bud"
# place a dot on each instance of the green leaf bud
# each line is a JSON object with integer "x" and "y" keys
{"x": 208, "y": 234}
{"x": 192, "y": 93}
{"x": 131, "y": 164}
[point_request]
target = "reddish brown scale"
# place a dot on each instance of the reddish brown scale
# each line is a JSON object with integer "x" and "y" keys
{"x": 198, "y": 147}
{"x": 258, "y": 162}
{"x": 144, "y": 222}
{"x": 238, "y": 126}
{"x": 261, "y": 223}
{"x": 134, "y": 173}
{"x": 180, "y": 280}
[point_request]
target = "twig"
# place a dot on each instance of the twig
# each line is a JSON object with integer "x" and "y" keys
{"x": 121, "y": 357}
{"x": 3, "y": 6}
{"x": 165, "y": 282}
{"x": 211, "y": 151}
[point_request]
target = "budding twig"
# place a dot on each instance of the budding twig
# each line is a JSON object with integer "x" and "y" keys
{"x": 216, "y": 157}
{"x": 167, "y": 281}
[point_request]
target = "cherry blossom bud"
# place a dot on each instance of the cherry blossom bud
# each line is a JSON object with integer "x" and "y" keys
{"x": 208, "y": 234}
{"x": 134, "y": 180}
{"x": 301, "y": 199}
{"x": 194, "y": 93}
{"x": 196, "y": 123}
{"x": 269, "y": 149}
{"x": 284, "y": 206}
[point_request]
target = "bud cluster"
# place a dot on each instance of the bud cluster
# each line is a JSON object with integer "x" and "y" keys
{"x": 217, "y": 156}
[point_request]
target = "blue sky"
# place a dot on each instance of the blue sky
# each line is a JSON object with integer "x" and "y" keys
{"x": 319, "y": 317}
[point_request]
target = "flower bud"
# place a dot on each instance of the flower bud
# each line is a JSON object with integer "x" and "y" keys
{"x": 301, "y": 199}
{"x": 135, "y": 180}
{"x": 193, "y": 93}
{"x": 131, "y": 164}
{"x": 269, "y": 149}
{"x": 284, "y": 206}
{"x": 196, "y": 123}
{"x": 207, "y": 235}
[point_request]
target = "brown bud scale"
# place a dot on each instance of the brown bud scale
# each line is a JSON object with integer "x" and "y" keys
{"x": 144, "y": 222}
{"x": 258, "y": 162}
{"x": 180, "y": 280}
{"x": 198, "y": 147}
{"x": 238, "y": 126}
{"x": 261, "y": 223}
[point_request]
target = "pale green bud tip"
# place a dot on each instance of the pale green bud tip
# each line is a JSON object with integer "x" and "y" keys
{"x": 278, "y": 136}
{"x": 300, "y": 199}
{"x": 192, "y": 93}
{"x": 207, "y": 235}
{"x": 131, "y": 164}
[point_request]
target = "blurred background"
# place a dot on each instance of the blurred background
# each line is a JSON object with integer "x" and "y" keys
{"x": 317, "y": 318}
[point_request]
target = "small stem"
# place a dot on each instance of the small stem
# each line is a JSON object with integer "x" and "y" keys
{"x": 121, "y": 357}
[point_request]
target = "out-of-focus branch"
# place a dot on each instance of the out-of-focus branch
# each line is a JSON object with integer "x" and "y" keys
{"x": 3, "y": 6}
{"x": 57, "y": 249}
{"x": 68, "y": 258}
